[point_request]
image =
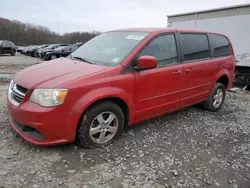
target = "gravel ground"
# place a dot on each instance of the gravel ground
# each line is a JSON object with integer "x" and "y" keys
{"x": 188, "y": 148}
{"x": 11, "y": 64}
{"x": 17, "y": 60}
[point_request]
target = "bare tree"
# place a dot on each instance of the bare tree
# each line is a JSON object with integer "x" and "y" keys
{"x": 26, "y": 34}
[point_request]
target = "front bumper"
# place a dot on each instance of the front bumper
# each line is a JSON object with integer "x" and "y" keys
{"x": 40, "y": 126}
{"x": 242, "y": 80}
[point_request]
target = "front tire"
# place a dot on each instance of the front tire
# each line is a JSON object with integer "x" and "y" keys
{"x": 53, "y": 57}
{"x": 100, "y": 125}
{"x": 216, "y": 98}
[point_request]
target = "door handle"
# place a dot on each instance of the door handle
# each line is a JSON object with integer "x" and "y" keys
{"x": 176, "y": 72}
{"x": 189, "y": 70}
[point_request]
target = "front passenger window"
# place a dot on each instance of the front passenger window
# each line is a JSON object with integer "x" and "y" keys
{"x": 163, "y": 48}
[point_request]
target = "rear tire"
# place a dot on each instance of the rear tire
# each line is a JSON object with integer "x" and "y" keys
{"x": 13, "y": 53}
{"x": 100, "y": 125}
{"x": 216, "y": 98}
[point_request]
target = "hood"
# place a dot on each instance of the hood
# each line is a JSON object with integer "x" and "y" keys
{"x": 34, "y": 49}
{"x": 244, "y": 63}
{"x": 30, "y": 49}
{"x": 41, "y": 48}
{"x": 54, "y": 73}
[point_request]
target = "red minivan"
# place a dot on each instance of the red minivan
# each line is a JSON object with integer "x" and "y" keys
{"x": 116, "y": 79}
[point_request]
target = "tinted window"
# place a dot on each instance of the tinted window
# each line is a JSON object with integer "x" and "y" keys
{"x": 221, "y": 45}
{"x": 163, "y": 48}
{"x": 195, "y": 46}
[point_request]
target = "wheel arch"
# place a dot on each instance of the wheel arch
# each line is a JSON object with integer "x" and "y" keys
{"x": 116, "y": 95}
{"x": 223, "y": 78}
{"x": 120, "y": 102}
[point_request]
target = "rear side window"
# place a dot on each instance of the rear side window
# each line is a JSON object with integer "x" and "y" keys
{"x": 220, "y": 45}
{"x": 194, "y": 46}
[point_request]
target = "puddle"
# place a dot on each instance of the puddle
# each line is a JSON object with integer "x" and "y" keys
{"x": 6, "y": 76}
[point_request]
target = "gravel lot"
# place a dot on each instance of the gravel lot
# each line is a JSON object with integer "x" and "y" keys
{"x": 188, "y": 148}
{"x": 11, "y": 64}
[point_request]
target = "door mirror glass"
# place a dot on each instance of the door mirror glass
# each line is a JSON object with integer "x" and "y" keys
{"x": 146, "y": 62}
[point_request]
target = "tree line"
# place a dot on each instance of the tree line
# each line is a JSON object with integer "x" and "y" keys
{"x": 24, "y": 34}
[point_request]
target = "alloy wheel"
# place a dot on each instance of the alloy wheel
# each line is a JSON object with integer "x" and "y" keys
{"x": 104, "y": 127}
{"x": 218, "y": 98}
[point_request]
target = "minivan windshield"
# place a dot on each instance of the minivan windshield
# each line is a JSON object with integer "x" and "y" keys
{"x": 109, "y": 48}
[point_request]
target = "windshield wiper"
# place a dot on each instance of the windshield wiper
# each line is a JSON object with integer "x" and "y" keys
{"x": 81, "y": 59}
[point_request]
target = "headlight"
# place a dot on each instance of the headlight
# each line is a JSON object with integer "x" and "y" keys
{"x": 11, "y": 86}
{"x": 48, "y": 97}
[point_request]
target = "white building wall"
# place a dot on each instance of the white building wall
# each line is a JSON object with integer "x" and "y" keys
{"x": 237, "y": 28}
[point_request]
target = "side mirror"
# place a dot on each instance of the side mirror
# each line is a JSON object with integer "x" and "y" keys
{"x": 146, "y": 62}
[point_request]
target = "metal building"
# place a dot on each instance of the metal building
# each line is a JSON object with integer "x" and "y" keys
{"x": 233, "y": 21}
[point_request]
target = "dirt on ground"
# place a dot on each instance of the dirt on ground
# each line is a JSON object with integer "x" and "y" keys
{"x": 187, "y": 148}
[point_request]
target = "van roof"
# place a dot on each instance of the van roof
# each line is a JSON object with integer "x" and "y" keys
{"x": 155, "y": 29}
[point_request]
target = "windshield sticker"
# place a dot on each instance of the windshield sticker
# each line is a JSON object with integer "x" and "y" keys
{"x": 116, "y": 59}
{"x": 135, "y": 37}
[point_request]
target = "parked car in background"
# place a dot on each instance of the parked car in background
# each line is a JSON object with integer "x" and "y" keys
{"x": 62, "y": 51}
{"x": 20, "y": 48}
{"x": 116, "y": 79}
{"x": 7, "y": 47}
{"x": 242, "y": 56}
{"x": 242, "y": 72}
{"x": 42, "y": 52}
{"x": 79, "y": 44}
{"x": 25, "y": 50}
{"x": 33, "y": 50}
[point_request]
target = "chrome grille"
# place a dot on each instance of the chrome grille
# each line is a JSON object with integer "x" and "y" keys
{"x": 16, "y": 93}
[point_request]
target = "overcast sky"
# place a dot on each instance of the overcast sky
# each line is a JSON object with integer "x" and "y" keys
{"x": 102, "y": 15}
